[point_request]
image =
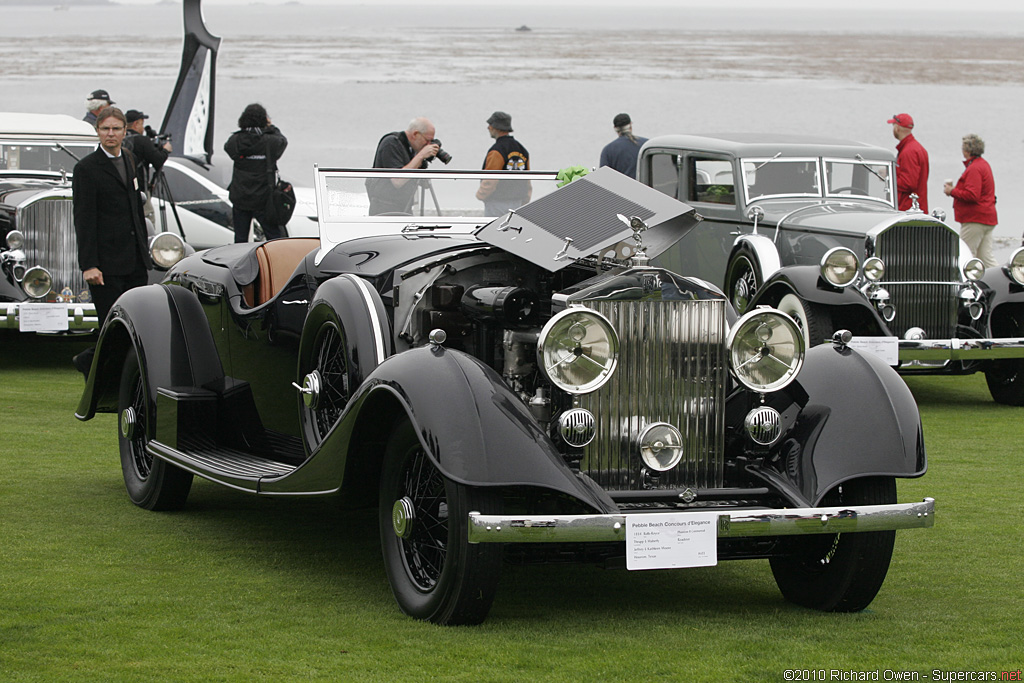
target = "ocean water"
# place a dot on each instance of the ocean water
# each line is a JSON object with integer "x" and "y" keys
{"x": 336, "y": 78}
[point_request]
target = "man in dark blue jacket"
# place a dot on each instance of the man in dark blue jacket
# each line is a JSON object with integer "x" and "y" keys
{"x": 621, "y": 153}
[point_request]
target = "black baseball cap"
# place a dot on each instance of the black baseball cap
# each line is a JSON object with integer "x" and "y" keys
{"x": 133, "y": 115}
{"x": 101, "y": 95}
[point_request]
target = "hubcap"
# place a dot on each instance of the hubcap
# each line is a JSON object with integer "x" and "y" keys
{"x": 311, "y": 390}
{"x": 128, "y": 422}
{"x": 402, "y": 517}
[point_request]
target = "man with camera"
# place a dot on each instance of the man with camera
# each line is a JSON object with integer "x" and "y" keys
{"x": 147, "y": 150}
{"x": 412, "y": 148}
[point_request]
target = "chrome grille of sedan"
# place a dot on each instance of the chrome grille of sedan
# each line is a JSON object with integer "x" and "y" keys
{"x": 922, "y": 273}
{"x": 672, "y": 368}
{"x": 49, "y": 228}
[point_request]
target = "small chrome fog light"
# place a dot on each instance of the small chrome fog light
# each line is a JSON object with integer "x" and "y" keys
{"x": 763, "y": 425}
{"x": 974, "y": 269}
{"x": 15, "y": 240}
{"x": 661, "y": 446}
{"x": 577, "y": 427}
{"x": 1015, "y": 266}
{"x": 37, "y": 282}
{"x": 839, "y": 266}
{"x": 166, "y": 249}
{"x": 914, "y": 334}
{"x": 874, "y": 269}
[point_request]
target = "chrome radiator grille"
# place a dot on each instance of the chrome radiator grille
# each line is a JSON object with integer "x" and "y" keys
{"x": 49, "y": 229}
{"x": 672, "y": 368}
{"x": 921, "y": 274}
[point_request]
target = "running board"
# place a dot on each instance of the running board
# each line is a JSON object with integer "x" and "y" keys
{"x": 228, "y": 466}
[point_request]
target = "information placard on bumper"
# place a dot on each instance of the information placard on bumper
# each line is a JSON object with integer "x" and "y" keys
{"x": 43, "y": 318}
{"x": 671, "y": 541}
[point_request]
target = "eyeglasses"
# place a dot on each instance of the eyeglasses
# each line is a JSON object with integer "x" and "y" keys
{"x": 108, "y": 129}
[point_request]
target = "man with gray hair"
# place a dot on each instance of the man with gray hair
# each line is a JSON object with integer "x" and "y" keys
{"x": 622, "y": 152}
{"x": 96, "y": 102}
{"x": 408, "y": 149}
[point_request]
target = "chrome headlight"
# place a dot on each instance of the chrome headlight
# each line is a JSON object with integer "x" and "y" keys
{"x": 37, "y": 282}
{"x": 661, "y": 446}
{"x": 874, "y": 269}
{"x": 766, "y": 350}
{"x": 974, "y": 269}
{"x": 839, "y": 266}
{"x": 578, "y": 350}
{"x": 166, "y": 249}
{"x": 1015, "y": 266}
{"x": 15, "y": 240}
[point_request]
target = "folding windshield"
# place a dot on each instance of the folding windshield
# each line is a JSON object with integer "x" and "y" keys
{"x": 42, "y": 156}
{"x": 457, "y": 196}
{"x": 781, "y": 178}
{"x": 859, "y": 178}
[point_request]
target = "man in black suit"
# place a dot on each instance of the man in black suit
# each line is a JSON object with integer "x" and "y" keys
{"x": 109, "y": 223}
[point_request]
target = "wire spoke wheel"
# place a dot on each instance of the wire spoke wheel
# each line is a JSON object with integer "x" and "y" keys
{"x": 435, "y": 573}
{"x": 328, "y": 381}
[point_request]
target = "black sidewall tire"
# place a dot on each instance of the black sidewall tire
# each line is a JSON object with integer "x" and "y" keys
{"x": 465, "y": 588}
{"x": 1005, "y": 379}
{"x": 814, "y": 319}
{"x": 858, "y": 563}
{"x": 165, "y": 486}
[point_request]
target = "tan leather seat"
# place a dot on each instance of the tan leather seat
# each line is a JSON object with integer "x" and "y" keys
{"x": 277, "y": 259}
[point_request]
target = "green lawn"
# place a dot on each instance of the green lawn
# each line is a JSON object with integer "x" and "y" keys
{"x": 236, "y": 588}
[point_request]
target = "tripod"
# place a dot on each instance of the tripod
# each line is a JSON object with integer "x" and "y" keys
{"x": 162, "y": 193}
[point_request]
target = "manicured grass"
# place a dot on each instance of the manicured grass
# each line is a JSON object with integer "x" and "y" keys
{"x": 238, "y": 588}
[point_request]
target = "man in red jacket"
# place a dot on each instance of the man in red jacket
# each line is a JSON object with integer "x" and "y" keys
{"x": 911, "y": 164}
{"x": 974, "y": 200}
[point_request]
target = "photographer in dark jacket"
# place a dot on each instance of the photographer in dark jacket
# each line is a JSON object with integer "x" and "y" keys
{"x": 254, "y": 149}
{"x": 409, "y": 149}
{"x": 146, "y": 152}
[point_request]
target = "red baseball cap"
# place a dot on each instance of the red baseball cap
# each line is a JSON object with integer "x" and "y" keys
{"x": 905, "y": 120}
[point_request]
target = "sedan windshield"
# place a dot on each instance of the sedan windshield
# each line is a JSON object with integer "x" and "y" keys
{"x": 42, "y": 156}
{"x": 777, "y": 177}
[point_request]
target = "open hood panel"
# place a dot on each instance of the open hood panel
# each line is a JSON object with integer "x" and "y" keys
{"x": 582, "y": 219}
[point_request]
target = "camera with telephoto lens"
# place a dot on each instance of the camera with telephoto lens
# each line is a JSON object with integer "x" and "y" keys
{"x": 444, "y": 156}
{"x": 158, "y": 138}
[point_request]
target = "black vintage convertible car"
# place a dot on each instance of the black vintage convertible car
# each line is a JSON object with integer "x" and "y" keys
{"x": 522, "y": 387}
{"x": 809, "y": 225}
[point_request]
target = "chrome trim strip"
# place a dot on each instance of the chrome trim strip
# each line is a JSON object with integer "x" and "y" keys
{"x": 378, "y": 338}
{"x": 961, "y": 349}
{"x": 80, "y": 316}
{"x": 732, "y": 524}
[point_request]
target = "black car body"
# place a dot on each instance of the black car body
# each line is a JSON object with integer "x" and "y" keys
{"x": 814, "y": 230}
{"x": 524, "y": 387}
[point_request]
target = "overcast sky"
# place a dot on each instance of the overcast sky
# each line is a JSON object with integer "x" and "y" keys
{"x": 903, "y": 5}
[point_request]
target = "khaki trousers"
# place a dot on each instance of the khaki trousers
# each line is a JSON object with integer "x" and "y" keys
{"x": 978, "y": 237}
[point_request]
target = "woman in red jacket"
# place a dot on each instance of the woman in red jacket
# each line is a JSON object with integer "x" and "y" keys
{"x": 974, "y": 200}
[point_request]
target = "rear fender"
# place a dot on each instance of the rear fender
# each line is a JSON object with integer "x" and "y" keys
{"x": 159, "y": 321}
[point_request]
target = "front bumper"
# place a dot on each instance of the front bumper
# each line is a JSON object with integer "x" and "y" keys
{"x": 960, "y": 349}
{"x": 731, "y": 524}
{"x": 80, "y": 317}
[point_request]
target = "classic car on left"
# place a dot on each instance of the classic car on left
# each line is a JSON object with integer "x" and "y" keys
{"x": 41, "y": 286}
{"x": 525, "y": 387}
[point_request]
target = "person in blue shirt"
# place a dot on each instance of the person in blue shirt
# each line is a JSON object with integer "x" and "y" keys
{"x": 622, "y": 152}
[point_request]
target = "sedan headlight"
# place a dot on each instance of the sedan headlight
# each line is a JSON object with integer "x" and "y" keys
{"x": 15, "y": 240}
{"x": 974, "y": 269}
{"x": 874, "y": 269}
{"x": 37, "y": 282}
{"x": 839, "y": 266}
{"x": 578, "y": 350}
{"x": 166, "y": 249}
{"x": 766, "y": 350}
{"x": 1015, "y": 267}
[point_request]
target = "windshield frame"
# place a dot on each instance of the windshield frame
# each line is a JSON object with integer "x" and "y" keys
{"x": 889, "y": 187}
{"x": 823, "y": 189}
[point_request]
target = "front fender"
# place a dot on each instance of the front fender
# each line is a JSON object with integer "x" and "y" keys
{"x": 471, "y": 425}
{"x": 160, "y": 321}
{"x": 763, "y": 249}
{"x": 860, "y": 420}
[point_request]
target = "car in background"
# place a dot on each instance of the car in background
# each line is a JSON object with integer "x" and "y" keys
{"x": 526, "y": 387}
{"x": 810, "y": 226}
{"x": 41, "y": 285}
